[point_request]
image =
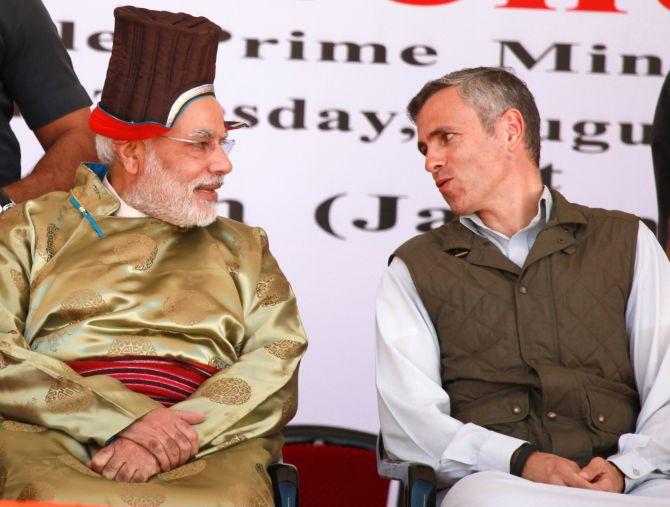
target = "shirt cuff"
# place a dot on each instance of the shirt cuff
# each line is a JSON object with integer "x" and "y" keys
{"x": 634, "y": 467}
{"x": 111, "y": 439}
{"x": 496, "y": 452}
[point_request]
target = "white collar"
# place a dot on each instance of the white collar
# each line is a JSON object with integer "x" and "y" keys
{"x": 124, "y": 211}
{"x": 544, "y": 207}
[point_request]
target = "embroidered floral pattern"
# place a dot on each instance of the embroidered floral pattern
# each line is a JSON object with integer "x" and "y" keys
{"x": 82, "y": 304}
{"x": 131, "y": 346}
{"x": 234, "y": 440}
{"x": 19, "y": 426}
{"x": 49, "y": 241}
{"x": 54, "y": 241}
{"x": 187, "y": 307}
{"x": 11, "y": 218}
{"x": 187, "y": 470}
{"x": 228, "y": 391}
{"x": 65, "y": 397}
{"x": 138, "y": 250}
{"x": 50, "y": 343}
{"x": 284, "y": 349}
{"x": 143, "y": 494}
{"x": 272, "y": 289}
{"x": 37, "y": 491}
{"x": 18, "y": 280}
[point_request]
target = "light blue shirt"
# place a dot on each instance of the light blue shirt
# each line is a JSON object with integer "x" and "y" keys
{"x": 517, "y": 247}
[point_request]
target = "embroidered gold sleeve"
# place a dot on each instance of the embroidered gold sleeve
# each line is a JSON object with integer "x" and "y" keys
{"x": 256, "y": 395}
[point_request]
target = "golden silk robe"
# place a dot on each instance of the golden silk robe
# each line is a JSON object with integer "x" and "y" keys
{"x": 212, "y": 295}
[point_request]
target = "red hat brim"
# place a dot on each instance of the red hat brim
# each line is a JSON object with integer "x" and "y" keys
{"x": 107, "y": 125}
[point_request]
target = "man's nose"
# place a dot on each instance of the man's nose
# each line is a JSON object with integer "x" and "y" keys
{"x": 434, "y": 161}
{"x": 220, "y": 163}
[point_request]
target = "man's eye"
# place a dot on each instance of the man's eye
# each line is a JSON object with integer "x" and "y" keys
{"x": 447, "y": 137}
{"x": 201, "y": 145}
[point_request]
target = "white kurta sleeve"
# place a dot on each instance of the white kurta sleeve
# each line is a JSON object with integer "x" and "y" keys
{"x": 414, "y": 409}
{"x": 648, "y": 323}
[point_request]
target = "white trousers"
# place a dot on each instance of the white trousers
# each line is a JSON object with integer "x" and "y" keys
{"x": 498, "y": 489}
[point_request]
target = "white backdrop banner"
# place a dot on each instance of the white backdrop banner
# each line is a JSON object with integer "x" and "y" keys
{"x": 330, "y": 167}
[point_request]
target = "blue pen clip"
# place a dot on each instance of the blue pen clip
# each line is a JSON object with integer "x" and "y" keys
{"x": 84, "y": 213}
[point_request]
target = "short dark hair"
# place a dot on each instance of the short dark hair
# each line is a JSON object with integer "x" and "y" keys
{"x": 490, "y": 91}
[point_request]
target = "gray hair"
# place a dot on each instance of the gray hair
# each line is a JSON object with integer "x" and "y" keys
{"x": 105, "y": 149}
{"x": 490, "y": 91}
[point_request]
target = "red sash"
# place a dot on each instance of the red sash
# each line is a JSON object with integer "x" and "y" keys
{"x": 166, "y": 380}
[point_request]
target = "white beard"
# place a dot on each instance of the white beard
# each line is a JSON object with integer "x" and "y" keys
{"x": 158, "y": 194}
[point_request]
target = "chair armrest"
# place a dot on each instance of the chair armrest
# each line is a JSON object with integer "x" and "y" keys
{"x": 419, "y": 484}
{"x": 405, "y": 471}
{"x": 284, "y": 484}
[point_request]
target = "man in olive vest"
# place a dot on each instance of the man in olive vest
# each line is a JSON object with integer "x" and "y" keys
{"x": 522, "y": 348}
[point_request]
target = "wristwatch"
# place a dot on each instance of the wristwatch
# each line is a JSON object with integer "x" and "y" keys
{"x": 5, "y": 202}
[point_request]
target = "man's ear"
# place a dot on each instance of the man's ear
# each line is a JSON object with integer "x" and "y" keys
{"x": 130, "y": 153}
{"x": 514, "y": 129}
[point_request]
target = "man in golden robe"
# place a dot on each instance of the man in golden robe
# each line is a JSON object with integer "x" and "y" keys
{"x": 149, "y": 349}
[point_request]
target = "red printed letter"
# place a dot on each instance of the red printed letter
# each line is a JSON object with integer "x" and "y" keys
{"x": 525, "y": 4}
{"x": 596, "y": 6}
{"x": 582, "y": 5}
{"x": 425, "y": 2}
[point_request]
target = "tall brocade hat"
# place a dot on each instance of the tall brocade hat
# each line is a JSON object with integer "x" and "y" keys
{"x": 161, "y": 62}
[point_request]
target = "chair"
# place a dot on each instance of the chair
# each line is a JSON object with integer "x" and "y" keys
{"x": 337, "y": 466}
{"x": 418, "y": 484}
{"x": 284, "y": 484}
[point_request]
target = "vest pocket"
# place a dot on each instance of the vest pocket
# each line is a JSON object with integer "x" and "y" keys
{"x": 611, "y": 411}
{"x": 505, "y": 406}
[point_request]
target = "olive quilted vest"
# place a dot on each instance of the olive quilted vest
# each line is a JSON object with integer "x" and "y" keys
{"x": 539, "y": 352}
